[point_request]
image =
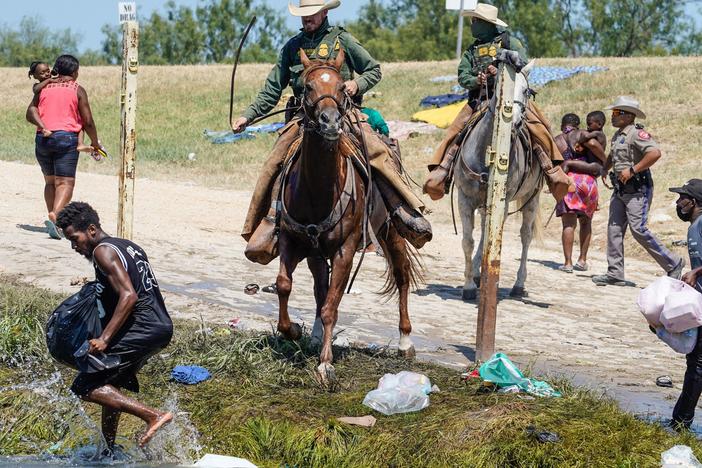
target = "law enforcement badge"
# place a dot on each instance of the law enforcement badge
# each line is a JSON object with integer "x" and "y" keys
{"x": 482, "y": 51}
{"x": 644, "y": 135}
{"x": 337, "y": 46}
{"x": 493, "y": 51}
{"x": 323, "y": 51}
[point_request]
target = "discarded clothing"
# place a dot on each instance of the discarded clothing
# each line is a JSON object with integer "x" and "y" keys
{"x": 190, "y": 375}
{"x": 503, "y": 373}
{"x": 401, "y": 130}
{"x": 441, "y": 117}
{"x": 376, "y": 121}
{"x": 442, "y": 100}
{"x": 227, "y": 136}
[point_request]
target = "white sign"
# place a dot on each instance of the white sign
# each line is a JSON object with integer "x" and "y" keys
{"x": 127, "y": 11}
{"x": 456, "y": 4}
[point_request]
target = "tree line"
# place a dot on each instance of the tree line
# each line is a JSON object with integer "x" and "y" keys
{"x": 392, "y": 30}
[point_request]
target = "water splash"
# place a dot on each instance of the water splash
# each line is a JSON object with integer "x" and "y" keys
{"x": 82, "y": 444}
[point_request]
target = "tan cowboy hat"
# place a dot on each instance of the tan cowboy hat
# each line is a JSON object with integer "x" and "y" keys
{"x": 487, "y": 13}
{"x": 628, "y": 104}
{"x": 312, "y": 7}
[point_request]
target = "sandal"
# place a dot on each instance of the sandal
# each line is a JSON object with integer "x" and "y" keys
{"x": 664, "y": 381}
{"x": 251, "y": 289}
{"x": 52, "y": 229}
{"x": 271, "y": 288}
{"x": 581, "y": 267}
{"x": 565, "y": 269}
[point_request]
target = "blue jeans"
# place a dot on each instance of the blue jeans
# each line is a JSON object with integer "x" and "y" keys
{"x": 58, "y": 154}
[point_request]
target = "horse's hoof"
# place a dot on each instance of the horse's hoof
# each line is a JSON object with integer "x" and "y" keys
{"x": 326, "y": 374}
{"x": 409, "y": 353}
{"x": 470, "y": 294}
{"x": 293, "y": 333}
{"x": 518, "y": 292}
{"x": 476, "y": 280}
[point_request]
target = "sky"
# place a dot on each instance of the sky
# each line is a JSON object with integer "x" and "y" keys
{"x": 87, "y": 16}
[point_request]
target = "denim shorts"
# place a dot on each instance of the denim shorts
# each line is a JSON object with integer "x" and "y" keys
{"x": 58, "y": 154}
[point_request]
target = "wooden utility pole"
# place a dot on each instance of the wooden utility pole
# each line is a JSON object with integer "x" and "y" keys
{"x": 127, "y": 140}
{"x": 497, "y": 159}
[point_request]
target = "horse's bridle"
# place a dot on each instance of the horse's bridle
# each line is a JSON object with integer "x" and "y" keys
{"x": 309, "y": 107}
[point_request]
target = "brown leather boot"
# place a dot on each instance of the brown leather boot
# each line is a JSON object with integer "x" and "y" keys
{"x": 435, "y": 185}
{"x": 559, "y": 183}
{"x": 263, "y": 244}
{"x": 410, "y": 223}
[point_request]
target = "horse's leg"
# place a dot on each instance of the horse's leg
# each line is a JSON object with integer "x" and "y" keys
{"x": 466, "y": 208}
{"x": 341, "y": 271}
{"x": 478, "y": 258}
{"x": 526, "y": 233}
{"x": 320, "y": 273}
{"x": 289, "y": 259}
{"x": 400, "y": 261}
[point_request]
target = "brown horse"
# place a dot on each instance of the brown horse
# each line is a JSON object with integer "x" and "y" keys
{"x": 322, "y": 215}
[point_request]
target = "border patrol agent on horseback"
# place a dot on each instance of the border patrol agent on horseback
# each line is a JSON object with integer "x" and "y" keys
{"x": 632, "y": 153}
{"x": 476, "y": 73}
{"x": 321, "y": 41}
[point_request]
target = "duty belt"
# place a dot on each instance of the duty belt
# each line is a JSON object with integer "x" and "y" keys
{"x": 633, "y": 185}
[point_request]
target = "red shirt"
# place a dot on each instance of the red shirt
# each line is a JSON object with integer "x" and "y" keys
{"x": 58, "y": 107}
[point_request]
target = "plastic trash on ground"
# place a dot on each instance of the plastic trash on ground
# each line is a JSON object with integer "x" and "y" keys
{"x": 403, "y": 392}
{"x": 682, "y": 343}
{"x": 652, "y": 298}
{"x": 680, "y": 456}
{"x": 682, "y": 310}
{"x": 221, "y": 461}
{"x": 502, "y": 372}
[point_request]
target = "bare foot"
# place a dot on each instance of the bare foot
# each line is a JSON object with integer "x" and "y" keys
{"x": 161, "y": 421}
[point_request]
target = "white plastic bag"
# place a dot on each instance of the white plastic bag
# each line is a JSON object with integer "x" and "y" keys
{"x": 682, "y": 343}
{"x": 403, "y": 392}
{"x": 680, "y": 456}
{"x": 682, "y": 310}
{"x": 652, "y": 298}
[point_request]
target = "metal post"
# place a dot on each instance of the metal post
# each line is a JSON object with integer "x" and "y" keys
{"x": 497, "y": 158}
{"x": 127, "y": 141}
{"x": 459, "y": 43}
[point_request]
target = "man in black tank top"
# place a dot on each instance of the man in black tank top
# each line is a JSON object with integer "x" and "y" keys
{"x": 136, "y": 324}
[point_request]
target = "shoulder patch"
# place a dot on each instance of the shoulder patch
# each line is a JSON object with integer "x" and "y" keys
{"x": 644, "y": 135}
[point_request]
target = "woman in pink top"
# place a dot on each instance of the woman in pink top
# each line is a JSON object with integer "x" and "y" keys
{"x": 60, "y": 111}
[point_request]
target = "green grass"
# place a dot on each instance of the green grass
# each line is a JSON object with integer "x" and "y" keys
{"x": 264, "y": 404}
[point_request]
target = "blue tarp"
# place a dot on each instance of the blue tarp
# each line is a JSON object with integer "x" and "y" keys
{"x": 227, "y": 136}
{"x": 442, "y": 100}
{"x": 539, "y": 76}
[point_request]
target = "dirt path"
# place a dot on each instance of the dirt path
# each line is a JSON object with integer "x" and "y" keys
{"x": 567, "y": 326}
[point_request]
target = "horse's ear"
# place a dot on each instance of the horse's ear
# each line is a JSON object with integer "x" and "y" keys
{"x": 304, "y": 58}
{"x": 339, "y": 61}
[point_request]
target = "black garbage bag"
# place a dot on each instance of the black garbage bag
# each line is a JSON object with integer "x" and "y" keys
{"x": 75, "y": 321}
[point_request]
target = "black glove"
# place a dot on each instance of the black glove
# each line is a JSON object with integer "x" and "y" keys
{"x": 511, "y": 57}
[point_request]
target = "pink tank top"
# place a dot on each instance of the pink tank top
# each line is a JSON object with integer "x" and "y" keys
{"x": 58, "y": 107}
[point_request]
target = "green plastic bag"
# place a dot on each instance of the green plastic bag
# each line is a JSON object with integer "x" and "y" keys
{"x": 503, "y": 373}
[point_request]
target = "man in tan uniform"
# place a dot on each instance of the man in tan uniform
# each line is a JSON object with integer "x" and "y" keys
{"x": 632, "y": 153}
{"x": 361, "y": 72}
{"x": 476, "y": 73}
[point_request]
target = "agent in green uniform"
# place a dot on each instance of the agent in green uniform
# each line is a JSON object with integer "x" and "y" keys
{"x": 476, "y": 73}
{"x": 361, "y": 72}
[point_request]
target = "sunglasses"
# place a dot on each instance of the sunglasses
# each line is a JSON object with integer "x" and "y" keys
{"x": 616, "y": 112}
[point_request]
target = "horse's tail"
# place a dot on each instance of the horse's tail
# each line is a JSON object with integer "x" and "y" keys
{"x": 537, "y": 231}
{"x": 416, "y": 268}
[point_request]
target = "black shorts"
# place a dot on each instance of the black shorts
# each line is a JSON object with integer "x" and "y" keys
{"x": 58, "y": 154}
{"x": 122, "y": 376}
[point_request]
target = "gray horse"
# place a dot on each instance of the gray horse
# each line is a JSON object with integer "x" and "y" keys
{"x": 524, "y": 183}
